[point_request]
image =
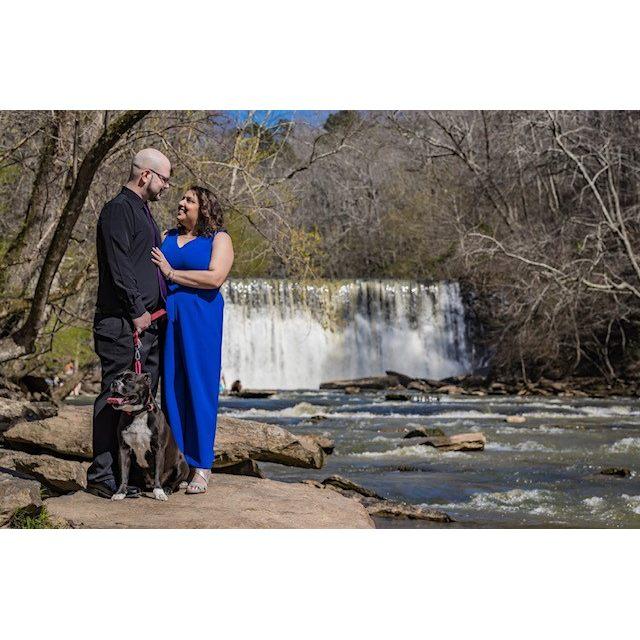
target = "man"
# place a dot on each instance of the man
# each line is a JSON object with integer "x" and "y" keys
{"x": 130, "y": 287}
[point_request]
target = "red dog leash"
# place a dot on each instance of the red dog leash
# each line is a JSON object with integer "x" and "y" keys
{"x": 137, "y": 362}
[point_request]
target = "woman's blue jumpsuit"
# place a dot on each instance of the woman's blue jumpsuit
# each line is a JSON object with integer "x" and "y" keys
{"x": 192, "y": 353}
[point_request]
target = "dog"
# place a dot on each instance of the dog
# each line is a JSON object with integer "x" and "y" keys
{"x": 144, "y": 433}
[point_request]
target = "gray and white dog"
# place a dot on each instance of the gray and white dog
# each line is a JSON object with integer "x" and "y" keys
{"x": 144, "y": 433}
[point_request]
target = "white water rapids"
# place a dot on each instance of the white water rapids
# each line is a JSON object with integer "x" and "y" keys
{"x": 286, "y": 335}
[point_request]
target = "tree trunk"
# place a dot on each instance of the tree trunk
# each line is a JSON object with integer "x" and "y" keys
{"x": 24, "y": 257}
{"x": 23, "y": 340}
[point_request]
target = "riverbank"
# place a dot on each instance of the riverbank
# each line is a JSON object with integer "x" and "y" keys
{"x": 401, "y": 386}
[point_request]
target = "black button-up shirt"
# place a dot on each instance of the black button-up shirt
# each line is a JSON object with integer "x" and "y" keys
{"x": 128, "y": 281}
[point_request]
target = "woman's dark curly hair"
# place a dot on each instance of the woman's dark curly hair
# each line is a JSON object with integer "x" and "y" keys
{"x": 210, "y": 215}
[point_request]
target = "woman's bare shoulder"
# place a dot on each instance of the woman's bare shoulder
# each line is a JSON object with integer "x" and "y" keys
{"x": 222, "y": 237}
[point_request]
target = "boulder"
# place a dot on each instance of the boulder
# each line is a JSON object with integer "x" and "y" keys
{"x": 253, "y": 393}
{"x": 620, "y": 472}
{"x": 392, "y": 509}
{"x": 374, "y": 382}
{"x": 17, "y": 492}
{"x": 417, "y": 385}
{"x": 56, "y": 473}
{"x": 377, "y": 505}
{"x": 457, "y": 442}
{"x": 451, "y": 389}
{"x": 9, "y": 389}
{"x": 424, "y": 432}
{"x": 553, "y": 385}
{"x": 69, "y": 434}
{"x": 402, "y": 379}
{"x": 398, "y": 397}
{"x": 326, "y": 444}
{"x": 407, "y": 468}
{"x": 12, "y": 410}
{"x": 244, "y": 468}
{"x": 238, "y": 440}
{"x": 231, "y": 502}
{"x": 352, "y": 391}
{"x": 348, "y": 485}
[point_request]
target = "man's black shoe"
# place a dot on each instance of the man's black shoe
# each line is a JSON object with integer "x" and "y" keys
{"x": 107, "y": 489}
{"x": 101, "y": 489}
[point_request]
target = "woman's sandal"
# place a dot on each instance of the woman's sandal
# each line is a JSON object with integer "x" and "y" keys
{"x": 197, "y": 487}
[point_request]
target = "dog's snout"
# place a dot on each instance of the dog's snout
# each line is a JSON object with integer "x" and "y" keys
{"x": 116, "y": 386}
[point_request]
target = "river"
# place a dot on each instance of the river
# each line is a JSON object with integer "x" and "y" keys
{"x": 542, "y": 473}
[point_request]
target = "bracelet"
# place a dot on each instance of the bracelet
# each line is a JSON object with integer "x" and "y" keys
{"x": 170, "y": 276}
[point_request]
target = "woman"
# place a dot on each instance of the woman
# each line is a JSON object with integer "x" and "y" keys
{"x": 195, "y": 258}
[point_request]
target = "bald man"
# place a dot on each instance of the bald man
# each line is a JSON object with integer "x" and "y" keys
{"x": 130, "y": 288}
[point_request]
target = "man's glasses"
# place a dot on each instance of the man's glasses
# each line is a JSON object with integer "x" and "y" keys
{"x": 164, "y": 180}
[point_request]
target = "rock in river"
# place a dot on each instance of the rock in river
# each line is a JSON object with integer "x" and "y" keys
{"x": 620, "y": 472}
{"x": 238, "y": 440}
{"x": 376, "y": 505}
{"x": 457, "y": 442}
{"x": 374, "y": 382}
{"x": 424, "y": 432}
{"x": 326, "y": 444}
{"x": 343, "y": 483}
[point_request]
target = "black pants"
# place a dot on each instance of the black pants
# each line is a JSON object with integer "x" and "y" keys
{"x": 113, "y": 340}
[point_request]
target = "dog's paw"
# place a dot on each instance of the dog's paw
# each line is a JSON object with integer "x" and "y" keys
{"x": 183, "y": 485}
{"x": 118, "y": 496}
{"x": 159, "y": 494}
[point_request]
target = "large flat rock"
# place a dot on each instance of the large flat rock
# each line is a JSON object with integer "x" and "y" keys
{"x": 57, "y": 473}
{"x": 12, "y": 410}
{"x": 238, "y": 440}
{"x": 231, "y": 502}
{"x": 69, "y": 434}
{"x": 16, "y": 493}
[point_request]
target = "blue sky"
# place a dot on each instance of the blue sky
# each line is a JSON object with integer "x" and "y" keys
{"x": 272, "y": 116}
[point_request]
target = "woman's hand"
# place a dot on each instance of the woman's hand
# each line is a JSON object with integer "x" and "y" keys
{"x": 157, "y": 257}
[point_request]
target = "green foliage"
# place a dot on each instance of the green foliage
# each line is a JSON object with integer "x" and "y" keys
{"x": 253, "y": 254}
{"x": 259, "y": 142}
{"x": 25, "y": 519}
{"x": 8, "y": 178}
{"x": 70, "y": 343}
{"x": 4, "y": 243}
{"x": 306, "y": 253}
{"x": 342, "y": 121}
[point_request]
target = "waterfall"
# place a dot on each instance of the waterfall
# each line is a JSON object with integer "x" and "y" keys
{"x": 286, "y": 335}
